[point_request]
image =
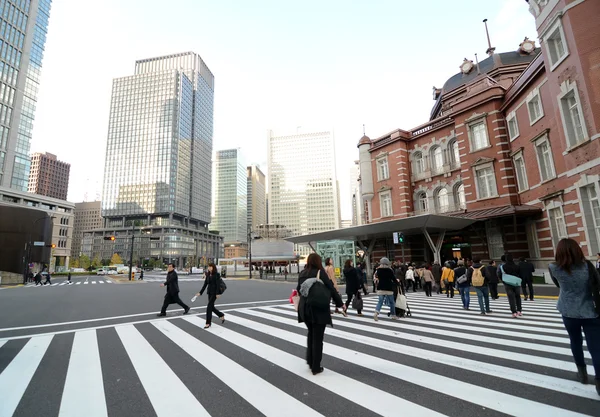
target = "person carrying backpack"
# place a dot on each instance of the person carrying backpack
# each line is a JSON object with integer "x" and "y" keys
{"x": 479, "y": 281}
{"x": 316, "y": 290}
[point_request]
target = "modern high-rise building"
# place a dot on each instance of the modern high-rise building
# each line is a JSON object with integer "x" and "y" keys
{"x": 157, "y": 175}
{"x": 231, "y": 199}
{"x": 88, "y": 216}
{"x": 257, "y": 203}
{"x": 49, "y": 176}
{"x": 23, "y": 27}
{"x": 302, "y": 181}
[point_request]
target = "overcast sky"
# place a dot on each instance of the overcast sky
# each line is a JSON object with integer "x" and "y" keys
{"x": 278, "y": 64}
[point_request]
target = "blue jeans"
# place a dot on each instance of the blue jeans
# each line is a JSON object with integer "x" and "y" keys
{"x": 483, "y": 296}
{"x": 591, "y": 328}
{"x": 465, "y": 296}
{"x": 389, "y": 299}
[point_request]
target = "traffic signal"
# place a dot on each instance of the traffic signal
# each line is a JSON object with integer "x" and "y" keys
{"x": 109, "y": 238}
{"x": 400, "y": 237}
{"x": 52, "y": 245}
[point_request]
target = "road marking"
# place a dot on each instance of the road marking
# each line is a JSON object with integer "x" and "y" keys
{"x": 376, "y": 400}
{"x": 78, "y": 282}
{"x": 84, "y": 386}
{"x": 246, "y": 384}
{"x": 100, "y": 282}
{"x": 54, "y": 285}
{"x": 63, "y": 283}
{"x": 168, "y": 395}
{"x": 8, "y": 329}
{"x": 17, "y": 375}
{"x": 85, "y": 282}
{"x": 93, "y": 282}
{"x": 108, "y": 281}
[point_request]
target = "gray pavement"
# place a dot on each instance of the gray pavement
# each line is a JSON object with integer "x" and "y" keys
{"x": 99, "y": 350}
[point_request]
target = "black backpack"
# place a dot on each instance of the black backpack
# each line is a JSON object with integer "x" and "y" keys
{"x": 222, "y": 286}
{"x": 319, "y": 296}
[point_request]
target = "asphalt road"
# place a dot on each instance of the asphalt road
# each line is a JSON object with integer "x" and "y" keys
{"x": 99, "y": 350}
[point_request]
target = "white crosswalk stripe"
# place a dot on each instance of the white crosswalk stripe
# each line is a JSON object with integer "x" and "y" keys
{"x": 474, "y": 365}
{"x": 66, "y": 284}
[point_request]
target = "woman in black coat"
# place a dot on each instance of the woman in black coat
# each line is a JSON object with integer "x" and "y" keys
{"x": 212, "y": 281}
{"x": 315, "y": 320}
{"x": 353, "y": 284}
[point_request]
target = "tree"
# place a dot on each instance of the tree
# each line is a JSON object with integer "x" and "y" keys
{"x": 96, "y": 262}
{"x": 84, "y": 261}
{"x": 74, "y": 263}
{"x": 116, "y": 259}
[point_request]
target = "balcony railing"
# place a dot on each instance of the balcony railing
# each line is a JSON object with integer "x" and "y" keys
{"x": 434, "y": 208}
{"x": 432, "y": 171}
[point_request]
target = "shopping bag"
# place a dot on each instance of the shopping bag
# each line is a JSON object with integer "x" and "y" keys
{"x": 295, "y": 299}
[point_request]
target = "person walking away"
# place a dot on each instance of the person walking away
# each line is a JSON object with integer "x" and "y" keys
{"x": 38, "y": 279}
{"x": 69, "y": 278}
{"x": 385, "y": 288}
{"x": 598, "y": 262}
{"x": 212, "y": 285}
{"x": 353, "y": 284}
{"x": 436, "y": 270}
{"x": 491, "y": 274}
{"x": 574, "y": 276}
{"x": 512, "y": 292}
{"x": 526, "y": 269}
{"x": 172, "y": 295}
{"x": 463, "y": 283}
{"x": 428, "y": 278}
{"x": 448, "y": 280}
{"x": 142, "y": 275}
{"x": 315, "y": 289}
{"x": 479, "y": 281}
{"x": 410, "y": 279}
{"x": 48, "y": 279}
{"x": 331, "y": 274}
{"x": 363, "y": 274}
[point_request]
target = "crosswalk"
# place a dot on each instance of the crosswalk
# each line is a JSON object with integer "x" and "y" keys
{"x": 73, "y": 283}
{"x": 443, "y": 361}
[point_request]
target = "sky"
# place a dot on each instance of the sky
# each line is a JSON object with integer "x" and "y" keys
{"x": 278, "y": 64}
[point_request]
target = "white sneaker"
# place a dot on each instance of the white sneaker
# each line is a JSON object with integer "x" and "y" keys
{"x": 375, "y": 317}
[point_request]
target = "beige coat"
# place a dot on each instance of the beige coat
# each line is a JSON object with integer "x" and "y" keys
{"x": 331, "y": 274}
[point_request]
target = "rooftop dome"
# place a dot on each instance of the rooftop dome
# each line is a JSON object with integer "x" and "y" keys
{"x": 365, "y": 140}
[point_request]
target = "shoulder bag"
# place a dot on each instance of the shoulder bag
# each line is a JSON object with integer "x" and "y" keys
{"x": 594, "y": 278}
{"x": 509, "y": 279}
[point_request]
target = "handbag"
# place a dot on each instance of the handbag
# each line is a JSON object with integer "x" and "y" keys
{"x": 295, "y": 299}
{"x": 509, "y": 279}
{"x": 357, "y": 302}
{"x": 594, "y": 278}
{"x": 401, "y": 302}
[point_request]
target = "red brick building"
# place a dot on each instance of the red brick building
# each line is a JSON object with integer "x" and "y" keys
{"x": 511, "y": 142}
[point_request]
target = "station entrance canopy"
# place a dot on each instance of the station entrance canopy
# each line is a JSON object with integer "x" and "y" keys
{"x": 366, "y": 235}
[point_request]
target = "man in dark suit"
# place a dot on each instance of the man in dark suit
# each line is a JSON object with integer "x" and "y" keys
{"x": 526, "y": 269}
{"x": 598, "y": 262}
{"x": 172, "y": 296}
{"x": 491, "y": 273}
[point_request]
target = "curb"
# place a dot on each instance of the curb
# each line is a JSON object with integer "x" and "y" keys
{"x": 10, "y": 286}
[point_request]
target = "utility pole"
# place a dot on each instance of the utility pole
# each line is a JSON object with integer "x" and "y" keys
{"x": 249, "y": 253}
{"x": 131, "y": 249}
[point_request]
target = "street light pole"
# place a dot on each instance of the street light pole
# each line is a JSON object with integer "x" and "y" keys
{"x": 131, "y": 249}
{"x": 250, "y": 253}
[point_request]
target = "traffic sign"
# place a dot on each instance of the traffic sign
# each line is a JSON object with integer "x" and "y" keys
{"x": 39, "y": 243}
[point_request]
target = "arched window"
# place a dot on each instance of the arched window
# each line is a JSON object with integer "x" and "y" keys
{"x": 454, "y": 153}
{"x": 437, "y": 159}
{"x": 419, "y": 163}
{"x": 459, "y": 197}
{"x": 422, "y": 203}
{"x": 441, "y": 200}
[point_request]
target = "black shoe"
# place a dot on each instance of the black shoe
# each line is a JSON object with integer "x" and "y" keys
{"x": 187, "y": 310}
{"x": 489, "y": 311}
{"x": 582, "y": 375}
{"x": 482, "y": 313}
{"x": 318, "y": 371}
{"x": 161, "y": 315}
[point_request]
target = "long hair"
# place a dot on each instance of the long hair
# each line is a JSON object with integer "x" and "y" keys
{"x": 314, "y": 262}
{"x": 214, "y": 268}
{"x": 328, "y": 261}
{"x": 568, "y": 253}
{"x": 348, "y": 263}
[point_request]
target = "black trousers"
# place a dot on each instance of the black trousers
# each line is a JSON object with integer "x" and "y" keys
{"x": 411, "y": 283}
{"x": 349, "y": 300}
{"x": 514, "y": 297}
{"x": 47, "y": 280}
{"x": 427, "y": 287}
{"x": 524, "y": 285}
{"x": 210, "y": 308}
{"x": 314, "y": 345}
{"x": 493, "y": 290}
{"x": 450, "y": 289}
{"x": 172, "y": 299}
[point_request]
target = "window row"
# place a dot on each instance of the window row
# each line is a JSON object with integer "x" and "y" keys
{"x": 436, "y": 161}
{"x": 545, "y": 164}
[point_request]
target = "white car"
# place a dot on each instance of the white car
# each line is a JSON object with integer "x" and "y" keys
{"x": 100, "y": 272}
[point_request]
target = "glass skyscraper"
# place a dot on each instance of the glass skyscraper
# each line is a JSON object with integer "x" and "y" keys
{"x": 231, "y": 200}
{"x": 23, "y": 27}
{"x": 157, "y": 175}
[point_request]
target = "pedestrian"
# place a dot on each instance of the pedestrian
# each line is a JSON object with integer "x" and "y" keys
{"x": 142, "y": 275}
{"x": 30, "y": 276}
{"x": 313, "y": 308}
{"x": 598, "y": 262}
{"x": 436, "y": 270}
{"x": 172, "y": 295}
{"x": 329, "y": 268}
{"x": 385, "y": 282}
{"x": 526, "y": 269}
{"x": 353, "y": 285}
{"x": 491, "y": 274}
{"x": 38, "y": 279}
{"x": 48, "y": 279}
{"x": 462, "y": 282}
{"x": 448, "y": 279}
{"x": 363, "y": 274}
{"x": 428, "y": 278}
{"x": 513, "y": 292}
{"x": 574, "y": 276}
{"x": 212, "y": 285}
{"x": 69, "y": 278}
{"x": 410, "y": 279}
{"x": 479, "y": 281}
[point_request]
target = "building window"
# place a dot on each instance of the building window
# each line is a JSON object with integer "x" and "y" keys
{"x": 419, "y": 163}
{"x": 544, "y": 157}
{"x": 513, "y": 126}
{"x": 534, "y": 105}
{"x": 437, "y": 159}
{"x": 454, "y": 154}
{"x": 460, "y": 198}
{"x": 486, "y": 181}
{"x": 478, "y": 136}
{"x": 591, "y": 211}
{"x": 441, "y": 200}
{"x": 556, "y": 44}
{"x": 532, "y": 240}
{"x": 385, "y": 202}
{"x": 383, "y": 172}
{"x": 520, "y": 172}
{"x": 422, "y": 203}
{"x": 557, "y": 224}
{"x": 572, "y": 116}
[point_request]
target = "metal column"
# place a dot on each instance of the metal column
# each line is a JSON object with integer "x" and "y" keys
{"x": 437, "y": 247}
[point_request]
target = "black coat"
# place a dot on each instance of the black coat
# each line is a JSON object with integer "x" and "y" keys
{"x": 386, "y": 280}
{"x": 526, "y": 270}
{"x": 436, "y": 270}
{"x": 305, "y": 313}
{"x": 212, "y": 282}
{"x": 172, "y": 283}
{"x": 458, "y": 272}
{"x": 353, "y": 280}
{"x": 491, "y": 274}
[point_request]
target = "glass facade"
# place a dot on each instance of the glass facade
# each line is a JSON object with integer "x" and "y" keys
{"x": 231, "y": 200}
{"x": 23, "y": 27}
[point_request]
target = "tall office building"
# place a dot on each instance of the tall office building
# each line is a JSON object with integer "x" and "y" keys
{"x": 157, "y": 175}
{"x": 257, "y": 203}
{"x": 49, "y": 176}
{"x": 231, "y": 199}
{"x": 23, "y": 26}
{"x": 87, "y": 217}
{"x": 303, "y": 187}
